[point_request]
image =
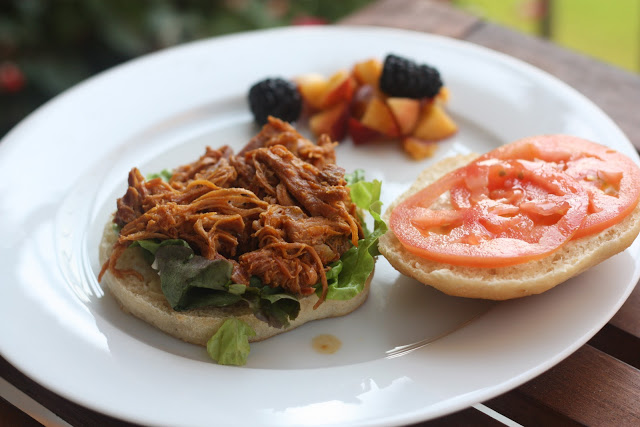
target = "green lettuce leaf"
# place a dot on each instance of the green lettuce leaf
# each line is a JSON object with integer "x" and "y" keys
{"x": 190, "y": 281}
{"x": 355, "y": 176}
{"x": 273, "y": 305}
{"x": 347, "y": 276}
{"x": 354, "y": 268}
{"x": 153, "y": 245}
{"x": 365, "y": 195}
{"x": 230, "y": 344}
{"x": 165, "y": 174}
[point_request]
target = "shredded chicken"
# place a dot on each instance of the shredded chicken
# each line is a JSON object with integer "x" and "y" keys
{"x": 279, "y": 210}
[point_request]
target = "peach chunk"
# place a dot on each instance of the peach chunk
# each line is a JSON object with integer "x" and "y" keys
{"x": 378, "y": 116}
{"x": 341, "y": 88}
{"x": 368, "y": 72}
{"x": 312, "y": 88}
{"x": 434, "y": 124}
{"x": 332, "y": 121}
{"x": 444, "y": 95}
{"x": 406, "y": 112}
{"x": 418, "y": 149}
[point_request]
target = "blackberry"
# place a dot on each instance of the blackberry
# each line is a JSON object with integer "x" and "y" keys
{"x": 405, "y": 78}
{"x": 275, "y": 97}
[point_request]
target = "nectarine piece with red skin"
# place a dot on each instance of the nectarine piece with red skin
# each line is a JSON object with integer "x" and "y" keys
{"x": 378, "y": 116}
{"x": 332, "y": 121}
{"x": 406, "y": 112}
{"x": 361, "y": 134}
{"x": 360, "y": 100}
{"x": 341, "y": 88}
{"x": 350, "y": 102}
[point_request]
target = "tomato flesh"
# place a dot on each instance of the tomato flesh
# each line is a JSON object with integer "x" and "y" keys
{"x": 498, "y": 213}
{"x": 519, "y": 202}
{"x": 612, "y": 180}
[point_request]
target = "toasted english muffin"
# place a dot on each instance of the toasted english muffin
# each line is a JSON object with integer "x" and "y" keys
{"x": 509, "y": 282}
{"x": 145, "y": 300}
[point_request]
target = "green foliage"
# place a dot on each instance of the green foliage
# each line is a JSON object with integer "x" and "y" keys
{"x": 608, "y": 30}
{"x": 56, "y": 44}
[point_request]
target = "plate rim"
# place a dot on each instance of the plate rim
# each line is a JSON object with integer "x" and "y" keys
{"x": 12, "y": 137}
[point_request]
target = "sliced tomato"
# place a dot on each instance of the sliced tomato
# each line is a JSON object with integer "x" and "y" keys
{"x": 491, "y": 213}
{"x": 611, "y": 179}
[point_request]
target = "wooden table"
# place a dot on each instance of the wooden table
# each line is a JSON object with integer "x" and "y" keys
{"x": 600, "y": 383}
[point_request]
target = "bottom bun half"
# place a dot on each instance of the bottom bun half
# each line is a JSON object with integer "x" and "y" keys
{"x": 145, "y": 300}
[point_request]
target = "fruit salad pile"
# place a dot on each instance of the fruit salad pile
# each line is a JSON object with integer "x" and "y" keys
{"x": 394, "y": 100}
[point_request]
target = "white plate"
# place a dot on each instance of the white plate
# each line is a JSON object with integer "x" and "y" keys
{"x": 62, "y": 168}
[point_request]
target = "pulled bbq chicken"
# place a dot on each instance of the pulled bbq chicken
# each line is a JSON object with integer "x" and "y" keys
{"x": 279, "y": 210}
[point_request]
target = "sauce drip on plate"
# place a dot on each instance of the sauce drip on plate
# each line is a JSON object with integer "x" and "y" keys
{"x": 326, "y": 344}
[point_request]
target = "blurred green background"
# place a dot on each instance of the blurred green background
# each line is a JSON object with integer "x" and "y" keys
{"x": 47, "y": 46}
{"x": 605, "y": 29}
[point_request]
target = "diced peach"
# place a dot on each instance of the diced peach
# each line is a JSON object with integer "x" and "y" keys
{"x": 312, "y": 88}
{"x": 434, "y": 124}
{"x": 332, "y": 121}
{"x": 418, "y": 149}
{"x": 406, "y": 112}
{"x": 361, "y": 134}
{"x": 443, "y": 96}
{"x": 378, "y": 116}
{"x": 368, "y": 72}
{"x": 360, "y": 100}
{"x": 341, "y": 88}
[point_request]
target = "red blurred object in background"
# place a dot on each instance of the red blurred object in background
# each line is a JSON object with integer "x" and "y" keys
{"x": 309, "y": 20}
{"x": 11, "y": 77}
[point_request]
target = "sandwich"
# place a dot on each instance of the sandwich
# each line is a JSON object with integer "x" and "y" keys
{"x": 238, "y": 247}
{"x": 516, "y": 221}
